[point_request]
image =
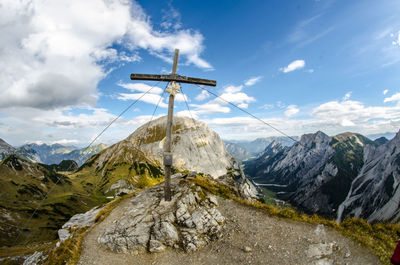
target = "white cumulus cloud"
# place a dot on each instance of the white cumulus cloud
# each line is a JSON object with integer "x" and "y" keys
{"x": 295, "y": 65}
{"x": 291, "y": 110}
{"x": 54, "y": 53}
{"x": 210, "y": 108}
{"x": 385, "y": 91}
{"x": 141, "y": 87}
{"x": 396, "y": 42}
{"x": 252, "y": 81}
{"x": 148, "y": 98}
{"x": 202, "y": 96}
{"x": 347, "y": 96}
{"x": 233, "y": 89}
{"x": 237, "y": 98}
{"x": 395, "y": 97}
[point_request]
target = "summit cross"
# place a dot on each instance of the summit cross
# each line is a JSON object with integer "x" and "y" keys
{"x": 173, "y": 88}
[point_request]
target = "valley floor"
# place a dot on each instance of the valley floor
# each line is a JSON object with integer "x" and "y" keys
{"x": 251, "y": 237}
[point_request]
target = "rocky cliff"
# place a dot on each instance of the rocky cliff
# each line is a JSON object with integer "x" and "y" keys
{"x": 374, "y": 193}
{"x": 195, "y": 146}
{"x": 315, "y": 173}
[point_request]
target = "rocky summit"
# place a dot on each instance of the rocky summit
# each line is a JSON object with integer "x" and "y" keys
{"x": 189, "y": 221}
{"x": 194, "y": 145}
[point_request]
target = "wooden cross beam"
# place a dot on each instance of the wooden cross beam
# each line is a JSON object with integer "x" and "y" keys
{"x": 173, "y": 88}
{"x": 176, "y": 78}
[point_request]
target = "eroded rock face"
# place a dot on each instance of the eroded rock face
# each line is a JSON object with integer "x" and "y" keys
{"x": 189, "y": 221}
{"x": 195, "y": 146}
{"x": 121, "y": 187}
{"x": 78, "y": 220}
{"x": 35, "y": 259}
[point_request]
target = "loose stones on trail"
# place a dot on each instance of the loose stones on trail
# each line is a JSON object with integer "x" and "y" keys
{"x": 189, "y": 221}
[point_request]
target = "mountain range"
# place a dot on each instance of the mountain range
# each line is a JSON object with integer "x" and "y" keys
{"x": 50, "y": 154}
{"x": 344, "y": 175}
{"x": 243, "y": 150}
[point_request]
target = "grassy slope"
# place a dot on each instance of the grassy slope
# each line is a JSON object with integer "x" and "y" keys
{"x": 131, "y": 164}
{"x": 25, "y": 187}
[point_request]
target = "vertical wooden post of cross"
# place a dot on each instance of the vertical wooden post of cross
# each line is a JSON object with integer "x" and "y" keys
{"x": 167, "y": 147}
{"x": 173, "y": 88}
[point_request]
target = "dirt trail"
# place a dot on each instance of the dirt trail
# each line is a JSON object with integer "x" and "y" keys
{"x": 251, "y": 237}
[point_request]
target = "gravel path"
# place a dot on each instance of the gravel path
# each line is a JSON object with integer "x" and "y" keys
{"x": 251, "y": 237}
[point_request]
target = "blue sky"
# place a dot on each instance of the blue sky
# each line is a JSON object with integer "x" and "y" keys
{"x": 301, "y": 66}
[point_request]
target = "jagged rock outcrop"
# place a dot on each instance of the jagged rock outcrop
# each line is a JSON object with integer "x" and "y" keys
{"x": 36, "y": 258}
{"x": 86, "y": 219}
{"x": 121, "y": 187}
{"x": 375, "y": 193}
{"x": 189, "y": 221}
{"x": 315, "y": 173}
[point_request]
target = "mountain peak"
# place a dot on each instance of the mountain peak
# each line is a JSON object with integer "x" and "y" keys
{"x": 381, "y": 140}
{"x": 314, "y": 138}
{"x": 194, "y": 145}
{"x": 352, "y": 139}
{"x": 4, "y": 144}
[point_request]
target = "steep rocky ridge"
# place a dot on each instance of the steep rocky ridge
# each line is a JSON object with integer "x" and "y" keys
{"x": 255, "y": 165}
{"x": 6, "y": 149}
{"x": 375, "y": 193}
{"x": 315, "y": 173}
